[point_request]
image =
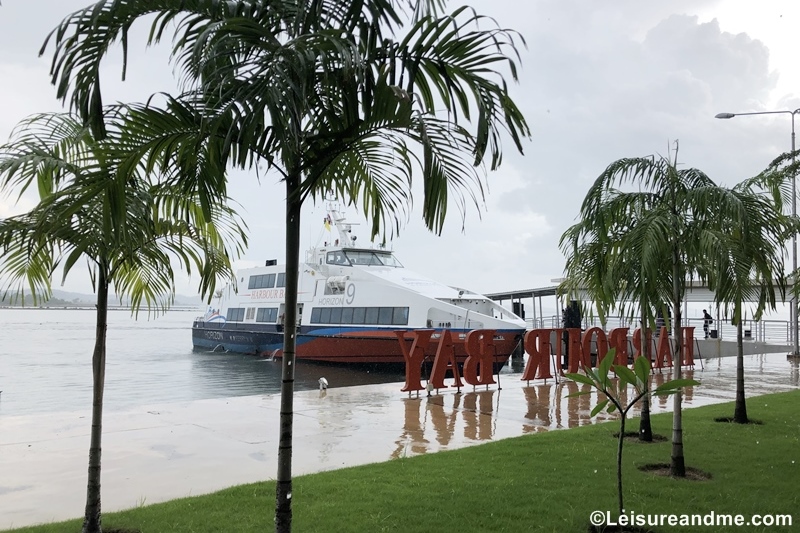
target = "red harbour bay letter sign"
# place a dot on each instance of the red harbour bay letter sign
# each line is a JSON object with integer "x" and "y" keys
{"x": 480, "y": 349}
{"x": 479, "y": 345}
{"x": 538, "y": 346}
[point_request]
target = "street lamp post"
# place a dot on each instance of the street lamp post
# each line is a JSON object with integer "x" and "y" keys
{"x": 793, "y": 315}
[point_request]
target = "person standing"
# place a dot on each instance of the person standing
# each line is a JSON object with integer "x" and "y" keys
{"x": 707, "y": 321}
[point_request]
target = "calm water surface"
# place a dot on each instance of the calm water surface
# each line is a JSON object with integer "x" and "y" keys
{"x": 45, "y": 363}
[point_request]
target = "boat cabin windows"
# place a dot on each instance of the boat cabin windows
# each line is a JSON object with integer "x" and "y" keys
{"x": 347, "y": 315}
{"x": 281, "y": 280}
{"x": 263, "y": 281}
{"x": 400, "y": 316}
{"x": 235, "y": 314}
{"x": 372, "y": 258}
{"x": 324, "y": 315}
{"x": 385, "y": 316}
{"x": 337, "y": 258}
{"x": 267, "y": 314}
{"x": 251, "y": 312}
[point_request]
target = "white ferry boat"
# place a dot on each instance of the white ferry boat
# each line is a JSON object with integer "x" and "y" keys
{"x": 351, "y": 301}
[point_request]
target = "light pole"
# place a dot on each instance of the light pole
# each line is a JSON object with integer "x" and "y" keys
{"x": 793, "y": 311}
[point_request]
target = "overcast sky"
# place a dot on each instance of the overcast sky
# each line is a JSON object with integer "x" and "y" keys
{"x": 599, "y": 81}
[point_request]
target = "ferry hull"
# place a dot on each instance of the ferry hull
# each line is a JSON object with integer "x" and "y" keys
{"x": 332, "y": 345}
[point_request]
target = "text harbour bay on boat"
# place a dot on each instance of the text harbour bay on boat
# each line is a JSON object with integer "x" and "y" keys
{"x": 351, "y": 301}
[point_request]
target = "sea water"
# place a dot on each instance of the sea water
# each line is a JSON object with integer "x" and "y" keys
{"x": 46, "y": 363}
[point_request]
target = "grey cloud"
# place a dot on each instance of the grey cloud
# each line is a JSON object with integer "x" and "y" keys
{"x": 733, "y": 65}
{"x": 599, "y": 81}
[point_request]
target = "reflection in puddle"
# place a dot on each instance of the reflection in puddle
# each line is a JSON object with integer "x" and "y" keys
{"x": 454, "y": 419}
{"x": 478, "y": 419}
{"x": 540, "y": 413}
{"x": 413, "y": 433}
{"x": 443, "y": 423}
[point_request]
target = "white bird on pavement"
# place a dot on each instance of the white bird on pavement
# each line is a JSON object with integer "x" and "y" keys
{"x": 323, "y": 383}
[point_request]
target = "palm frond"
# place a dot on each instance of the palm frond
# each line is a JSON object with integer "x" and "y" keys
{"x": 116, "y": 207}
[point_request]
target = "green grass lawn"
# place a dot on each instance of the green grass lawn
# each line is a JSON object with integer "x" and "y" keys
{"x": 542, "y": 482}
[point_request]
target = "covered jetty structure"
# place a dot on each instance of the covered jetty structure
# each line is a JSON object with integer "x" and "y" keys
{"x": 542, "y": 308}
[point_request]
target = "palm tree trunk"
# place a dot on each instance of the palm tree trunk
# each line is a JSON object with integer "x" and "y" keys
{"x": 283, "y": 491}
{"x": 619, "y": 461}
{"x": 645, "y": 428}
{"x": 91, "y": 521}
{"x": 740, "y": 409}
{"x": 677, "y": 464}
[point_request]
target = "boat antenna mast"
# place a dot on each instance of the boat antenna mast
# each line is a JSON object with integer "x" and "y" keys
{"x": 344, "y": 228}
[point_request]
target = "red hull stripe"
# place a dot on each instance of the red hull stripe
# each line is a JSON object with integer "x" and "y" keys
{"x": 366, "y": 346}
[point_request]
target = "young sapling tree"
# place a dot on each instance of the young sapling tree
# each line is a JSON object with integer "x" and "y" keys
{"x": 615, "y": 389}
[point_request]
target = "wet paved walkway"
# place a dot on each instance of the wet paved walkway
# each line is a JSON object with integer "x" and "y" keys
{"x": 160, "y": 452}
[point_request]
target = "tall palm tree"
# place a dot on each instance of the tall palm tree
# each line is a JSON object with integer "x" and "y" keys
{"x": 749, "y": 259}
{"x": 132, "y": 228}
{"x": 329, "y": 94}
{"x": 676, "y": 229}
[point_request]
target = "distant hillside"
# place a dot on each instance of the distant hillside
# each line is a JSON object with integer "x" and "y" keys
{"x": 75, "y": 299}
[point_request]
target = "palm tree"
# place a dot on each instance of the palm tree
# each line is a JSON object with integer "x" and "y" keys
{"x": 601, "y": 264}
{"x": 328, "y": 94}
{"x": 676, "y": 229}
{"x": 748, "y": 263}
{"x": 129, "y": 227}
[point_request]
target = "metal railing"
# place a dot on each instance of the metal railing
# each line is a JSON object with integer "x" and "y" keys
{"x": 767, "y": 331}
